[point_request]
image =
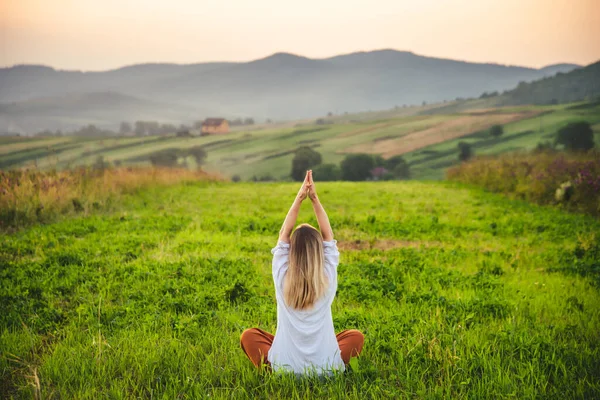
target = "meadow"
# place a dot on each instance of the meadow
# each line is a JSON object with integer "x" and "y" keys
{"x": 426, "y": 136}
{"x": 460, "y": 294}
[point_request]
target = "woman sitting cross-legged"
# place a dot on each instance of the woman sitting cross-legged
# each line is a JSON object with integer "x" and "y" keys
{"x": 305, "y": 275}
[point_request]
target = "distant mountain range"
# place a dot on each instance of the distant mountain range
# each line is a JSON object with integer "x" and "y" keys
{"x": 281, "y": 86}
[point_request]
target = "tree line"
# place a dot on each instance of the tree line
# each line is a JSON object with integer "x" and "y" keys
{"x": 140, "y": 128}
{"x": 354, "y": 167}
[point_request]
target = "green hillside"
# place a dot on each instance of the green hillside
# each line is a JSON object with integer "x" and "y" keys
{"x": 429, "y": 142}
{"x": 460, "y": 294}
{"x": 577, "y": 85}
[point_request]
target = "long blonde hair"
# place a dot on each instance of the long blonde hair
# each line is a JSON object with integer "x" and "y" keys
{"x": 305, "y": 280}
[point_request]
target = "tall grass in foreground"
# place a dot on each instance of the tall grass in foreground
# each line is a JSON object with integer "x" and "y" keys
{"x": 28, "y": 196}
{"x": 548, "y": 177}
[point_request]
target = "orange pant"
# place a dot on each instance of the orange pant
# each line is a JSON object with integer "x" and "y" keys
{"x": 256, "y": 344}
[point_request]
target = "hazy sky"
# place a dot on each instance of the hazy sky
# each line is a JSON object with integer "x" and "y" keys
{"x": 104, "y": 34}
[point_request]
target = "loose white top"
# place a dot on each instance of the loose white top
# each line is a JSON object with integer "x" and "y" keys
{"x": 305, "y": 339}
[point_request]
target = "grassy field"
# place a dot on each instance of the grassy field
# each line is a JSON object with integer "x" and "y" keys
{"x": 427, "y": 137}
{"x": 460, "y": 294}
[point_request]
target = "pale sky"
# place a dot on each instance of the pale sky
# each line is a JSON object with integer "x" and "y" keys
{"x": 106, "y": 34}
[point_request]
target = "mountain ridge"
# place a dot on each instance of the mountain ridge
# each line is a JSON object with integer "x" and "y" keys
{"x": 279, "y": 86}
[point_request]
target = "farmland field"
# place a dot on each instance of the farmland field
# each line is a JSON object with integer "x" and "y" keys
{"x": 428, "y": 141}
{"x": 460, "y": 294}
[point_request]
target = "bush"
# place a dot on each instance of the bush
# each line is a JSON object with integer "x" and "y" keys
{"x": 165, "y": 158}
{"x": 357, "y": 167}
{"x": 327, "y": 173}
{"x": 236, "y": 178}
{"x": 543, "y": 177}
{"x": 464, "y": 151}
{"x": 198, "y": 153}
{"x": 496, "y": 131}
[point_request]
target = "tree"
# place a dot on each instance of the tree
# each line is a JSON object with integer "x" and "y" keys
{"x": 249, "y": 121}
{"x": 304, "y": 159}
{"x": 167, "y": 128}
{"x": 124, "y": 128}
{"x": 576, "y": 136}
{"x": 140, "y": 128}
{"x": 464, "y": 151}
{"x": 327, "y": 172}
{"x": 153, "y": 127}
{"x": 398, "y": 166}
{"x": 357, "y": 167}
{"x": 198, "y": 153}
{"x": 496, "y": 131}
{"x": 391, "y": 162}
{"x": 378, "y": 161}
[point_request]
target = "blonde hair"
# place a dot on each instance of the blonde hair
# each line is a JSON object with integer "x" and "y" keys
{"x": 305, "y": 280}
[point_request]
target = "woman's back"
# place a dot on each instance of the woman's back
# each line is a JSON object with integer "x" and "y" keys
{"x": 305, "y": 339}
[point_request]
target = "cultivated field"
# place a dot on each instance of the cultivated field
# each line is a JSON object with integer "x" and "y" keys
{"x": 428, "y": 140}
{"x": 461, "y": 294}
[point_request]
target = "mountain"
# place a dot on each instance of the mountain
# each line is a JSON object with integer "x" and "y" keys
{"x": 551, "y": 70}
{"x": 281, "y": 86}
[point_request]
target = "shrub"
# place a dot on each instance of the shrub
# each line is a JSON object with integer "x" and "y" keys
{"x": 496, "y": 131}
{"x": 464, "y": 151}
{"x": 543, "y": 177}
{"x": 327, "y": 172}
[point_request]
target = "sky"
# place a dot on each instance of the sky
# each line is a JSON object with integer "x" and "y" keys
{"x": 99, "y": 35}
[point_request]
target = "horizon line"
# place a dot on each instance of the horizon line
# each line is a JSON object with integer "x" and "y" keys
{"x": 284, "y": 53}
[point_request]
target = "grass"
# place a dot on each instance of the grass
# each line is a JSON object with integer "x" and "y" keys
{"x": 33, "y": 196}
{"x": 267, "y": 151}
{"x": 568, "y": 180}
{"x": 460, "y": 293}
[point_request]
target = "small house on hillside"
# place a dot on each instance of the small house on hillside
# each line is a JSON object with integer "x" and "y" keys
{"x": 215, "y": 125}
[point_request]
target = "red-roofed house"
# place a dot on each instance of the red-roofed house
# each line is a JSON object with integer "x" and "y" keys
{"x": 215, "y": 126}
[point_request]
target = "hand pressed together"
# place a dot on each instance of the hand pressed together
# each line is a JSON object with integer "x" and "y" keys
{"x": 307, "y": 188}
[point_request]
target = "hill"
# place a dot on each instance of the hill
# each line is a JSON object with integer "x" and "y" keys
{"x": 461, "y": 294}
{"x": 281, "y": 86}
{"x": 429, "y": 143}
{"x": 577, "y": 85}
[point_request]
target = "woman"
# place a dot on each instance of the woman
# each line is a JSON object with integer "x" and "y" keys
{"x": 305, "y": 275}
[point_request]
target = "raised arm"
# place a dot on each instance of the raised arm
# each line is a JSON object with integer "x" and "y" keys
{"x": 320, "y": 213}
{"x": 290, "y": 219}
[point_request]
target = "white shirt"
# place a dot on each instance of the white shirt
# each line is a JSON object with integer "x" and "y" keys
{"x": 305, "y": 339}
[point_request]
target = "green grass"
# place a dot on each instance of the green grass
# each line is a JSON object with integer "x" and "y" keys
{"x": 267, "y": 151}
{"x": 460, "y": 294}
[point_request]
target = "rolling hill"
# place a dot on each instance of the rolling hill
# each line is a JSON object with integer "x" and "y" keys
{"x": 428, "y": 143}
{"x": 281, "y": 86}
